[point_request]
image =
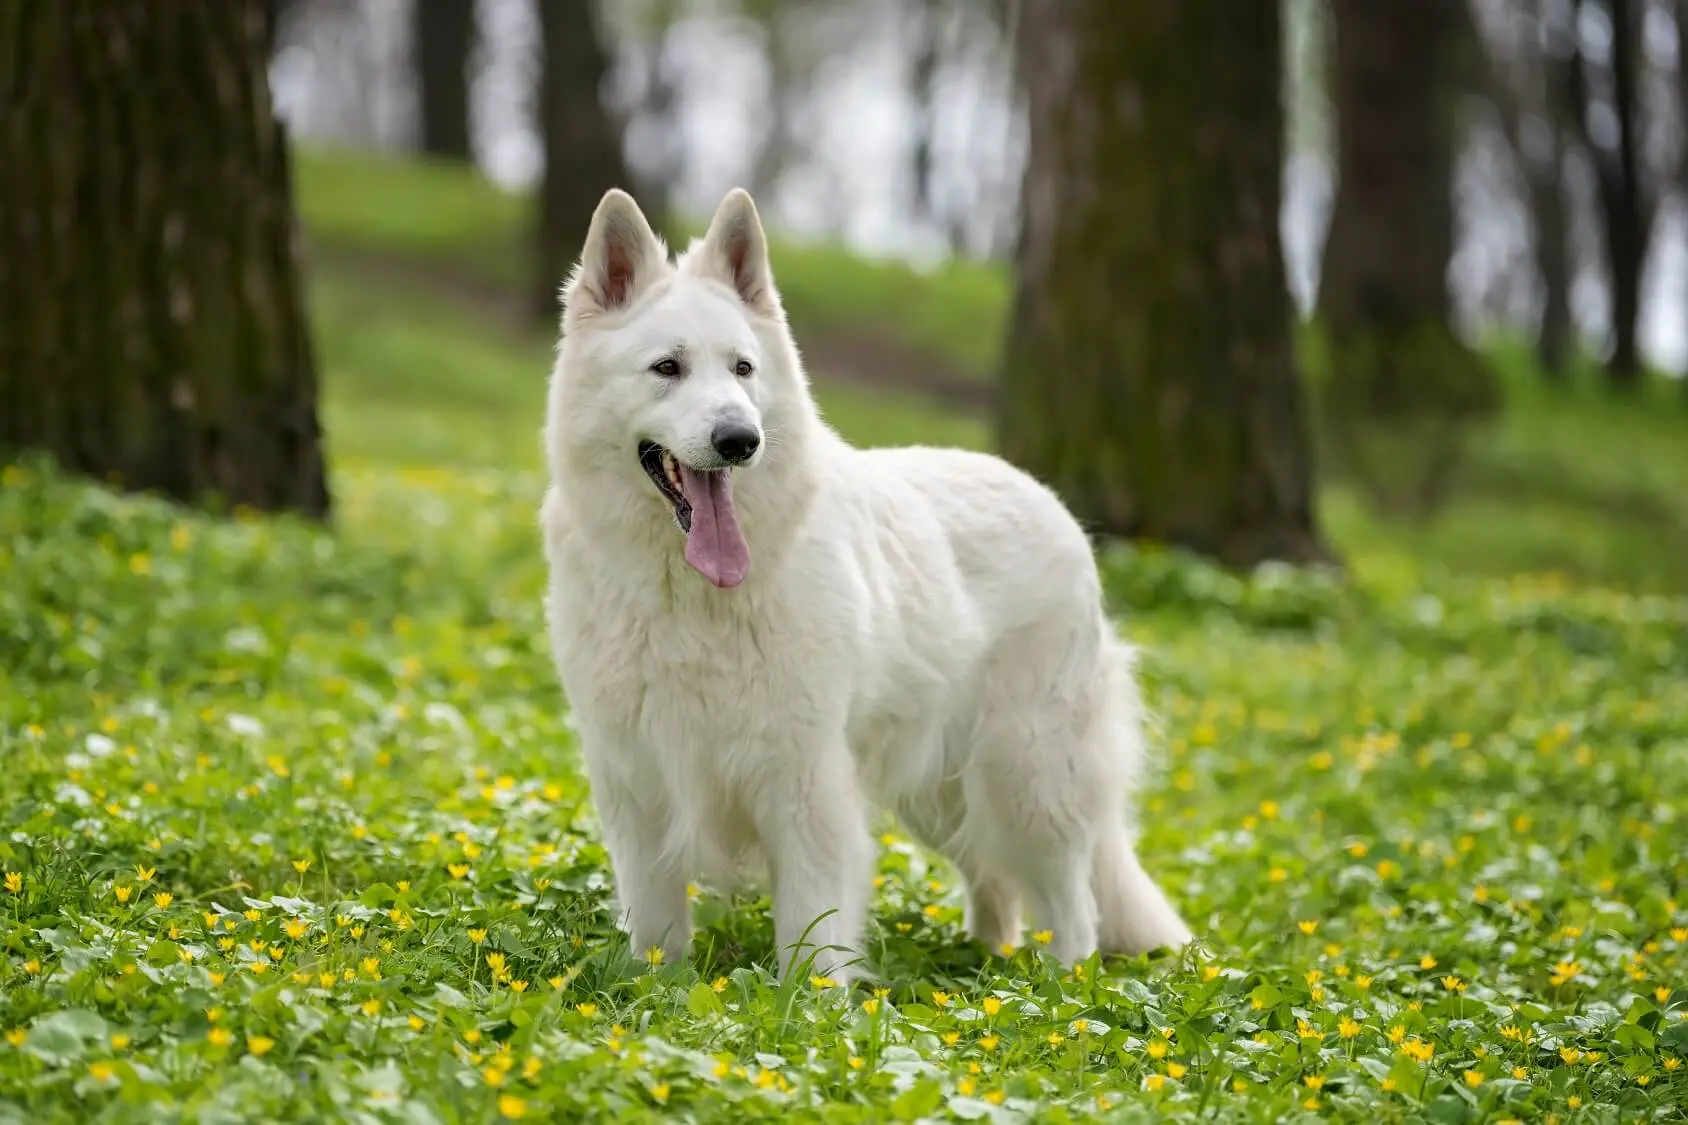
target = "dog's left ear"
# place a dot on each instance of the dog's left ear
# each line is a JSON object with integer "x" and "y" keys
{"x": 736, "y": 251}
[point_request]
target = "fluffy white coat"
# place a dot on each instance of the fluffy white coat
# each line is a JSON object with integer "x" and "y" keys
{"x": 919, "y": 630}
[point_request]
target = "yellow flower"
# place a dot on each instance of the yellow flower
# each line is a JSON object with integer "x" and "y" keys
{"x": 371, "y": 1007}
{"x": 1672, "y": 1063}
{"x": 32, "y": 966}
{"x": 989, "y": 1042}
{"x": 518, "y": 986}
{"x": 822, "y": 982}
{"x": 302, "y": 865}
{"x": 660, "y": 1092}
{"x": 1156, "y": 1050}
{"x": 296, "y": 928}
{"x": 1564, "y": 971}
{"x": 1570, "y": 1055}
{"x": 416, "y": 1023}
{"x": 991, "y": 1005}
{"x": 509, "y": 1105}
{"x": 458, "y": 870}
{"x": 1347, "y": 1028}
{"x": 1314, "y": 1081}
{"x": 1520, "y": 1072}
{"x": 119, "y": 1041}
{"x": 1473, "y": 1078}
{"x": 16, "y": 1036}
{"x": 1176, "y": 1070}
{"x": 653, "y": 956}
{"x": 966, "y": 1087}
{"x": 1358, "y": 849}
{"x": 220, "y": 1036}
{"x": 1679, "y": 933}
{"x": 587, "y": 1009}
{"x": 1056, "y": 1038}
{"x": 326, "y": 980}
{"x": 941, "y": 999}
{"x": 14, "y": 881}
{"x": 1453, "y": 984}
{"x": 1418, "y": 1050}
{"x": 101, "y": 1072}
{"x": 1210, "y": 972}
{"x": 259, "y": 1044}
{"x": 1307, "y": 926}
{"x": 1427, "y": 962}
{"x": 1362, "y": 983}
{"x": 163, "y": 899}
{"x": 251, "y": 915}
{"x": 477, "y": 936}
{"x": 1305, "y": 1030}
{"x": 123, "y": 893}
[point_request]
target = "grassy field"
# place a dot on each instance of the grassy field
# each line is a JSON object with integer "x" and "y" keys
{"x": 294, "y": 829}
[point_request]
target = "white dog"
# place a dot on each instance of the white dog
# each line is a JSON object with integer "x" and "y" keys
{"x": 765, "y": 633}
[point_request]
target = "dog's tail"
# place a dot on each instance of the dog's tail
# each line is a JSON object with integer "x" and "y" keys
{"x": 1133, "y": 913}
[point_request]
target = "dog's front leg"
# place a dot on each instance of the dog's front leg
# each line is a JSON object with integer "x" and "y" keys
{"x": 813, "y": 827}
{"x": 649, "y": 883}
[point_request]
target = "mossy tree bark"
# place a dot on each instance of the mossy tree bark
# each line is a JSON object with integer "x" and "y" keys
{"x": 442, "y": 32}
{"x": 1402, "y": 385}
{"x": 152, "y": 329}
{"x": 1150, "y": 376}
{"x": 583, "y": 156}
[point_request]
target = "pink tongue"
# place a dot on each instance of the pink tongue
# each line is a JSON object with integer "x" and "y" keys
{"x": 714, "y": 546}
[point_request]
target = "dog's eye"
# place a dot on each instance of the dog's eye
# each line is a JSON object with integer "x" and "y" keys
{"x": 668, "y": 368}
{"x": 744, "y": 368}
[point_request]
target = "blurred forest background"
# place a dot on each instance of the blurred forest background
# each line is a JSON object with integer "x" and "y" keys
{"x": 1312, "y": 280}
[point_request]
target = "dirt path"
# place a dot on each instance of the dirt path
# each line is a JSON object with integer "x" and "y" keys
{"x": 864, "y": 359}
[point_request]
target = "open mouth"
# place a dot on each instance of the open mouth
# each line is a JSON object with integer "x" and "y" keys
{"x": 702, "y": 502}
{"x": 664, "y": 468}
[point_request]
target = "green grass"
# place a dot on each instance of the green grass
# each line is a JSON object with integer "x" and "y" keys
{"x": 294, "y": 828}
{"x": 443, "y": 216}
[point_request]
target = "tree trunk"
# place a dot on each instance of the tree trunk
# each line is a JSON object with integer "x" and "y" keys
{"x": 151, "y": 324}
{"x": 443, "y": 31}
{"x": 1150, "y": 377}
{"x": 1400, "y": 378}
{"x": 583, "y": 155}
{"x": 1622, "y": 198}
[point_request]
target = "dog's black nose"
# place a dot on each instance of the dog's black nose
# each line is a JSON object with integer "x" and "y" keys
{"x": 735, "y": 441}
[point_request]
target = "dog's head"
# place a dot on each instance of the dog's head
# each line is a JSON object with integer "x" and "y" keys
{"x": 677, "y": 372}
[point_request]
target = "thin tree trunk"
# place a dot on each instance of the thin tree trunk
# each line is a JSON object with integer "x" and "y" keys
{"x": 1400, "y": 378}
{"x": 583, "y": 155}
{"x": 1622, "y": 195}
{"x": 1150, "y": 377}
{"x": 152, "y": 330}
{"x": 443, "y": 31}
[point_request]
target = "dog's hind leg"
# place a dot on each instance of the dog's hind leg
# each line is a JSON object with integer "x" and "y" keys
{"x": 993, "y": 911}
{"x": 1134, "y": 913}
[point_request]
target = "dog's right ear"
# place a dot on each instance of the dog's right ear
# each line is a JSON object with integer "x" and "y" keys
{"x": 621, "y": 256}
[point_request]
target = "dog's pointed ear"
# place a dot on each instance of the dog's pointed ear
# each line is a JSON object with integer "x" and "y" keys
{"x": 621, "y": 256}
{"x": 736, "y": 251}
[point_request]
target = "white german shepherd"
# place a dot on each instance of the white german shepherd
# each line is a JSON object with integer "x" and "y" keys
{"x": 765, "y": 633}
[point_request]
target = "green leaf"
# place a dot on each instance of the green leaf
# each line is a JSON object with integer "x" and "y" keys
{"x": 918, "y": 1100}
{"x": 701, "y": 1001}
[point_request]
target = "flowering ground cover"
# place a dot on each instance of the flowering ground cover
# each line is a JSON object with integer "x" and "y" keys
{"x": 292, "y": 827}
